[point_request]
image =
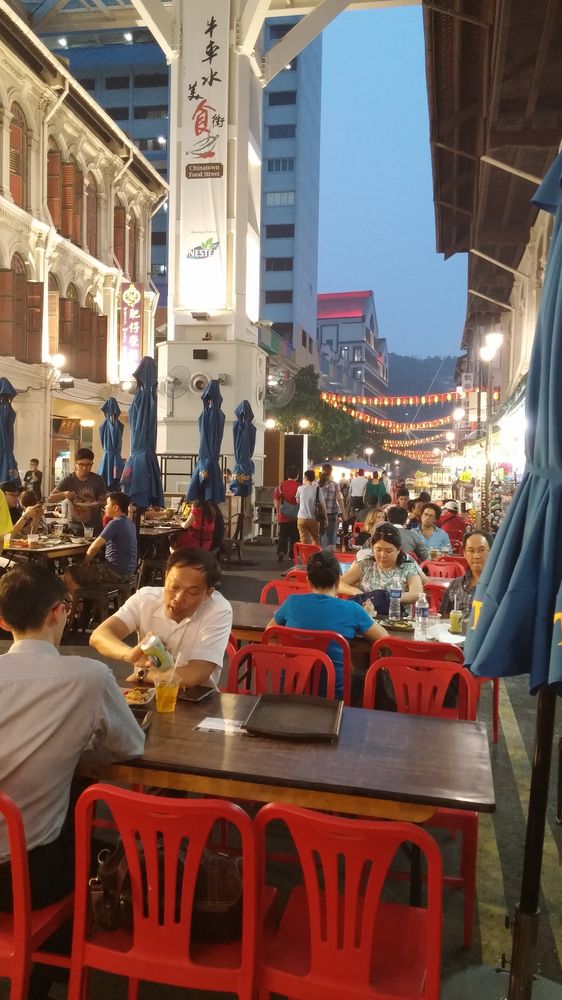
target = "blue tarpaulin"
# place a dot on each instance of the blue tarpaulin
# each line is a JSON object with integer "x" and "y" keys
{"x": 244, "y": 440}
{"x": 207, "y": 482}
{"x": 111, "y": 436}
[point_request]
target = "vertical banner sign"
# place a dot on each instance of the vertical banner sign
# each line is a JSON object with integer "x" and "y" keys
{"x": 202, "y": 136}
{"x": 131, "y": 307}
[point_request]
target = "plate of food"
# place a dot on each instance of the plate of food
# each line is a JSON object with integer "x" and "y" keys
{"x": 393, "y": 625}
{"x": 138, "y": 696}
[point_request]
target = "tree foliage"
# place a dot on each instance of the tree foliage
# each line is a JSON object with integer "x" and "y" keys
{"x": 333, "y": 433}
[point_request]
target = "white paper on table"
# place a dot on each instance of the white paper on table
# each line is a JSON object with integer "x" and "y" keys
{"x": 228, "y": 727}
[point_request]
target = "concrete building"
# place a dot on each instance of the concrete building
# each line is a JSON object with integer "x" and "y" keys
{"x": 353, "y": 357}
{"x": 76, "y": 200}
{"x": 290, "y": 195}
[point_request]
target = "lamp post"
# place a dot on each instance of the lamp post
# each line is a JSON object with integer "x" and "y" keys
{"x": 493, "y": 342}
{"x": 368, "y": 454}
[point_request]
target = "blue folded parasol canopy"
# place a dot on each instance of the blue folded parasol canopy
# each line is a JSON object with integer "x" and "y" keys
{"x": 141, "y": 479}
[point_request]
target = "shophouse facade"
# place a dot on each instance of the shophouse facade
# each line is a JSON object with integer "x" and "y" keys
{"x": 353, "y": 357}
{"x": 76, "y": 200}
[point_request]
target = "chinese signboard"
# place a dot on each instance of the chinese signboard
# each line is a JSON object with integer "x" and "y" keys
{"x": 202, "y": 121}
{"x": 130, "y": 341}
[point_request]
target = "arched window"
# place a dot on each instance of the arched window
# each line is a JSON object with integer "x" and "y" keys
{"x": 92, "y": 215}
{"x": 119, "y": 217}
{"x": 133, "y": 246}
{"x": 18, "y": 156}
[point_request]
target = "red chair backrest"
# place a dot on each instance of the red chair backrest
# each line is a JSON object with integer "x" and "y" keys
{"x": 273, "y": 669}
{"x": 345, "y": 557}
{"x": 420, "y": 687}
{"x": 344, "y": 864}
{"x": 460, "y": 559}
{"x": 357, "y": 527}
{"x": 434, "y": 593}
{"x": 446, "y": 570}
{"x": 17, "y": 936}
{"x": 311, "y": 639}
{"x": 162, "y": 887}
{"x": 302, "y": 551}
{"x": 282, "y": 589}
{"x": 297, "y": 575}
{"x": 393, "y": 646}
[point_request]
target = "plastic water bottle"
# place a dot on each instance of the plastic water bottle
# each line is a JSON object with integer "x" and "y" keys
{"x": 395, "y": 607}
{"x": 422, "y": 613}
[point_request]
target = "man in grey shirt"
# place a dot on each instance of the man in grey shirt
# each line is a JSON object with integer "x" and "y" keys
{"x": 411, "y": 540}
{"x": 52, "y": 708}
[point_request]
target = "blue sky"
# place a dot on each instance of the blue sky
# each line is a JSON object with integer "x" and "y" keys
{"x": 377, "y": 226}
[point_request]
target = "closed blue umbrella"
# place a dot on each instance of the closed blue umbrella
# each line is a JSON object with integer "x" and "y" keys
{"x": 111, "y": 437}
{"x": 8, "y": 464}
{"x": 207, "y": 482}
{"x": 141, "y": 479}
{"x": 517, "y": 611}
{"x": 244, "y": 438}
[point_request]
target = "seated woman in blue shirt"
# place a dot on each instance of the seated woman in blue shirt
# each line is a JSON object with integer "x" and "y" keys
{"x": 322, "y": 611}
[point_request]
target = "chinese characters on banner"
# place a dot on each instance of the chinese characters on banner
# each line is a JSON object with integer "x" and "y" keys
{"x": 202, "y": 134}
{"x": 130, "y": 341}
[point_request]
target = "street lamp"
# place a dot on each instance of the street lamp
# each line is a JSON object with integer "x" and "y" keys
{"x": 488, "y": 351}
{"x": 270, "y": 424}
{"x": 304, "y": 424}
{"x": 368, "y": 452}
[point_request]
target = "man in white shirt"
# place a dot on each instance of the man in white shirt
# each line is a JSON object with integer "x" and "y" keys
{"x": 357, "y": 490}
{"x": 52, "y": 708}
{"x": 190, "y": 617}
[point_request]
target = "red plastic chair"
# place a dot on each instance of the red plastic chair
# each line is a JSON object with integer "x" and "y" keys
{"x": 302, "y": 551}
{"x": 273, "y": 669}
{"x": 445, "y": 570}
{"x": 282, "y": 589}
{"x": 345, "y": 557}
{"x": 357, "y": 527}
{"x": 310, "y": 639}
{"x": 444, "y": 651}
{"x": 337, "y": 938}
{"x": 460, "y": 559}
{"x": 24, "y": 931}
{"x": 296, "y": 575}
{"x": 420, "y": 687}
{"x": 434, "y": 593}
{"x": 159, "y": 948}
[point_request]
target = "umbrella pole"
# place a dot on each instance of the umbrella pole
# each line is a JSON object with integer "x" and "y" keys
{"x": 526, "y": 924}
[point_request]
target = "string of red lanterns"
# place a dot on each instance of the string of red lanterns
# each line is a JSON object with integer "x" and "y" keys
{"x": 392, "y": 425}
{"x": 429, "y": 399}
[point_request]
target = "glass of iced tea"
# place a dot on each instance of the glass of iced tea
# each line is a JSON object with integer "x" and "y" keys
{"x": 166, "y": 693}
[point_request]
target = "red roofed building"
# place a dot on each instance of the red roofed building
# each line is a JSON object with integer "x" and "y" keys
{"x": 349, "y": 344}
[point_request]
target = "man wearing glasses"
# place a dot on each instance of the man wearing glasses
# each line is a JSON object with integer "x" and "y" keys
{"x": 84, "y": 490}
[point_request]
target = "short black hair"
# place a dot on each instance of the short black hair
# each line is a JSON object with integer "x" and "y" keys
{"x": 28, "y": 498}
{"x": 424, "y": 495}
{"x": 121, "y": 499}
{"x": 85, "y": 453}
{"x": 27, "y": 594}
{"x": 34, "y": 461}
{"x": 8, "y": 486}
{"x": 310, "y": 475}
{"x": 397, "y": 515}
{"x": 360, "y": 472}
{"x": 327, "y": 468}
{"x": 478, "y": 531}
{"x": 388, "y": 533}
{"x": 292, "y": 472}
{"x": 323, "y": 570}
{"x": 403, "y": 493}
{"x": 198, "y": 559}
{"x": 434, "y": 507}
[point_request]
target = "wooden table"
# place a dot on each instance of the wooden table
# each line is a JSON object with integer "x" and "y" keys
{"x": 49, "y": 552}
{"x": 384, "y": 764}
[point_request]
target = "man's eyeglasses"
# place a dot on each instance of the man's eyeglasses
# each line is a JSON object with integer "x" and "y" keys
{"x": 84, "y": 465}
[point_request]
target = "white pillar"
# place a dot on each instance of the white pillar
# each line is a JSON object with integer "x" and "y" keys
{"x": 213, "y": 246}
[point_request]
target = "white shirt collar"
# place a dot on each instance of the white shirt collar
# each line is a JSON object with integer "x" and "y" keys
{"x": 34, "y": 646}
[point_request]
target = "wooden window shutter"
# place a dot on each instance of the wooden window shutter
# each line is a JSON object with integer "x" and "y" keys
{"x": 17, "y": 163}
{"x": 54, "y": 186}
{"x": 67, "y": 336}
{"x": 100, "y": 374}
{"x": 7, "y": 283}
{"x": 119, "y": 231}
{"x": 34, "y": 322}
{"x": 92, "y": 221}
{"x": 54, "y": 323}
{"x": 67, "y": 214}
{"x": 19, "y": 339}
{"x": 78, "y": 206}
{"x": 86, "y": 343}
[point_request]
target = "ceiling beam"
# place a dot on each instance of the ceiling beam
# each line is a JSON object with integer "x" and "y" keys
{"x": 249, "y": 25}
{"x": 158, "y": 20}
{"x": 300, "y": 36}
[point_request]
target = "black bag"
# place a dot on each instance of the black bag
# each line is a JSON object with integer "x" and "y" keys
{"x": 288, "y": 510}
{"x": 319, "y": 511}
{"x": 217, "y": 904}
